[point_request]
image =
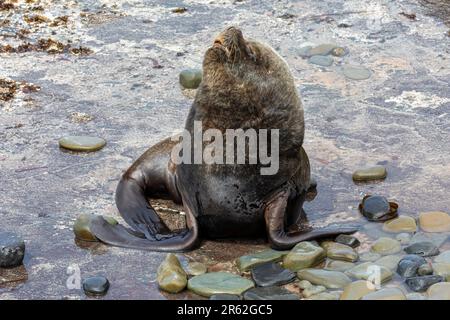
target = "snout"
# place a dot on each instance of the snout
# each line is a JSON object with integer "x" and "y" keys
{"x": 229, "y": 36}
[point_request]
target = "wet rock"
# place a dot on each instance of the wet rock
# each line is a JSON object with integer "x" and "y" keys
{"x": 325, "y": 296}
{"x": 339, "y": 52}
{"x": 371, "y": 173}
{"x": 217, "y": 283}
{"x": 339, "y": 251}
{"x": 420, "y": 284}
{"x": 423, "y": 249}
{"x": 386, "y": 294}
{"x": 271, "y": 274}
{"x": 304, "y": 284}
{"x": 409, "y": 264}
{"x": 322, "y": 49}
{"x": 224, "y": 296}
{"x": 436, "y": 238}
{"x": 308, "y": 292}
{"x": 347, "y": 240}
{"x": 336, "y": 265}
{"x": 385, "y": 246}
{"x": 403, "y": 238}
{"x": 12, "y": 250}
{"x": 434, "y": 221}
{"x": 439, "y": 291}
{"x": 356, "y": 72}
{"x": 95, "y": 286}
{"x": 444, "y": 257}
{"x": 304, "y": 51}
{"x": 195, "y": 268}
{"x": 170, "y": 275}
{"x": 390, "y": 262}
{"x": 425, "y": 270}
{"x": 415, "y": 296}
{"x": 82, "y": 143}
{"x": 323, "y": 61}
{"x": 369, "y": 256}
{"x": 304, "y": 255}
{"x": 327, "y": 278}
{"x": 442, "y": 269}
{"x": 269, "y": 293}
{"x": 400, "y": 224}
{"x": 356, "y": 290}
{"x": 378, "y": 208}
{"x": 368, "y": 270}
{"x": 82, "y": 226}
{"x": 245, "y": 263}
{"x": 191, "y": 78}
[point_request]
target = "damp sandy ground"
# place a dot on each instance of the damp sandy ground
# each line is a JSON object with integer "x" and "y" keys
{"x": 126, "y": 90}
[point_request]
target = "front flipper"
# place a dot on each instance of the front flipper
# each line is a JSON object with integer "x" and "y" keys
{"x": 279, "y": 239}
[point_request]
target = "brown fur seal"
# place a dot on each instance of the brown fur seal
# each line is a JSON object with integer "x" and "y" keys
{"x": 246, "y": 84}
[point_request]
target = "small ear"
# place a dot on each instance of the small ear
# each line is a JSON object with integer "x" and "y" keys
{"x": 250, "y": 53}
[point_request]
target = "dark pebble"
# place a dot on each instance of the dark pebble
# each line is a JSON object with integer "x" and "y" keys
{"x": 423, "y": 249}
{"x": 269, "y": 293}
{"x": 271, "y": 274}
{"x": 96, "y": 286}
{"x": 224, "y": 296}
{"x": 347, "y": 240}
{"x": 378, "y": 208}
{"x": 408, "y": 266}
{"x": 420, "y": 284}
{"x": 12, "y": 250}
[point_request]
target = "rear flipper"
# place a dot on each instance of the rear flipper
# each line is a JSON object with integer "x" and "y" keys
{"x": 279, "y": 239}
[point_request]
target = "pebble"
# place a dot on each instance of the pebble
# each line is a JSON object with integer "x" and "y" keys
{"x": 423, "y": 249}
{"x": 444, "y": 257}
{"x": 442, "y": 269}
{"x": 322, "y": 49}
{"x": 304, "y": 51}
{"x": 308, "y": 292}
{"x": 195, "y": 268}
{"x": 325, "y": 296}
{"x": 390, "y": 262}
{"x": 403, "y": 238}
{"x": 269, "y": 293}
{"x": 409, "y": 264}
{"x": 368, "y": 271}
{"x": 371, "y": 173}
{"x": 378, "y": 208}
{"x": 400, "y": 224}
{"x": 245, "y": 263}
{"x": 82, "y": 143}
{"x": 347, "y": 240}
{"x": 434, "y": 221}
{"x": 422, "y": 283}
{"x": 415, "y": 296}
{"x": 339, "y": 251}
{"x": 304, "y": 284}
{"x": 425, "y": 270}
{"x": 170, "y": 275}
{"x": 356, "y": 290}
{"x": 386, "y": 294}
{"x": 323, "y": 61}
{"x": 339, "y": 52}
{"x": 436, "y": 238}
{"x": 95, "y": 286}
{"x": 356, "y": 72}
{"x": 12, "y": 250}
{"x": 369, "y": 256}
{"x": 191, "y": 78}
{"x": 82, "y": 229}
{"x": 211, "y": 283}
{"x": 327, "y": 278}
{"x": 224, "y": 296}
{"x": 336, "y": 265}
{"x": 271, "y": 274}
{"x": 385, "y": 246}
{"x": 304, "y": 255}
{"x": 439, "y": 291}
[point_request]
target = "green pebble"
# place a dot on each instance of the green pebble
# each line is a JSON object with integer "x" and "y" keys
{"x": 190, "y": 78}
{"x": 208, "y": 284}
{"x": 82, "y": 143}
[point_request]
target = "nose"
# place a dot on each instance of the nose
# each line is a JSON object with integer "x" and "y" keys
{"x": 219, "y": 40}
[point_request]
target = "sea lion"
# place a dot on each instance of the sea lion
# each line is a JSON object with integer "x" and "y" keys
{"x": 246, "y": 84}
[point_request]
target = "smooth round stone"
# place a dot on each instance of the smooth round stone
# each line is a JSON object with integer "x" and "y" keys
{"x": 339, "y": 251}
{"x": 308, "y": 292}
{"x": 327, "y": 278}
{"x": 304, "y": 51}
{"x": 356, "y": 72}
{"x": 400, "y": 224}
{"x": 403, "y": 238}
{"x": 356, "y": 290}
{"x": 347, "y": 240}
{"x": 368, "y": 271}
{"x": 82, "y": 143}
{"x": 224, "y": 296}
{"x": 170, "y": 275}
{"x": 195, "y": 268}
{"x": 323, "y": 61}
{"x": 378, "y": 208}
{"x": 434, "y": 221}
{"x": 304, "y": 284}
{"x": 386, "y": 294}
{"x": 271, "y": 274}
{"x": 322, "y": 49}
{"x": 439, "y": 291}
{"x": 82, "y": 226}
{"x": 12, "y": 250}
{"x": 269, "y": 293}
{"x": 385, "y": 246}
{"x": 304, "y": 255}
{"x": 436, "y": 238}
{"x": 245, "y": 263}
{"x": 442, "y": 269}
{"x": 219, "y": 282}
{"x": 369, "y": 256}
{"x": 389, "y": 262}
{"x": 423, "y": 249}
{"x": 325, "y": 296}
{"x": 409, "y": 264}
{"x": 339, "y": 52}
{"x": 419, "y": 284}
{"x": 415, "y": 296}
{"x": 425, "y": 270}
{"x": 336, "y": 265}
{"x": 190, "y": 78}
{"x": 444, "y": 257}
{"x": 95, "y": 286}
{"x": 371, "y": 173}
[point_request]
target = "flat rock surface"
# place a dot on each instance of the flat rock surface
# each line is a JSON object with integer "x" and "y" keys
{"x": 127, "y": 91}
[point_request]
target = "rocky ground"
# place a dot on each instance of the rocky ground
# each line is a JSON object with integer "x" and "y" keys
{"x": 110, "y": 69}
